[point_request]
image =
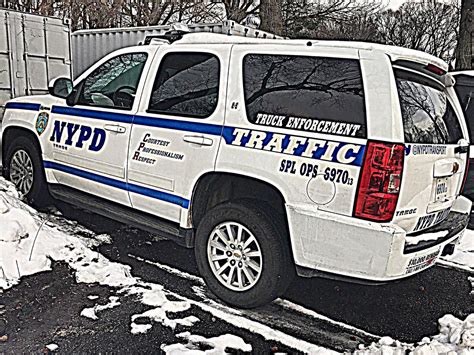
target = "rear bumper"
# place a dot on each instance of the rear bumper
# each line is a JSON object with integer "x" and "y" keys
{"x": 366, "y": 250}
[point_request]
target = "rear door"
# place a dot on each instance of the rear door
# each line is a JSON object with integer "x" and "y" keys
{"x": 436, "y": 148}
{"x": 176, "y": 133}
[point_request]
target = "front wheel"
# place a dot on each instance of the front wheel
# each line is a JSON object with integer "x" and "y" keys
{"x": 23, "y": 167}
{"x": 243, "y": 255}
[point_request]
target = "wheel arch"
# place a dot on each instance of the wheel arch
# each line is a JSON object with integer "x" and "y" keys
{"x": 214, "y": 188}
{"x": 12, "y": 132}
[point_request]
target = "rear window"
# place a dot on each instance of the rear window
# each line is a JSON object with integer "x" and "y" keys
{"x": 314, "y": 94}
{"x": 428, "y": 116}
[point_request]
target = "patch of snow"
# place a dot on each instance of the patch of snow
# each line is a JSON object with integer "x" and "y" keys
{"x": 89, "y": 313}
{"x": 155, "y": 296}
{"x": 455, "y": 337}
{"x": 140, "y": 328}
{"x": 28, "y": 243}
{"x": 33, "y": 242}
{"x": 92, "y": 297}
{"x": 12, "y": 231}
{"x": 92, "y": 311}
{"x": 218, "y": 345}
{"x": 52, "y": 347}
{"x": 231, "y": 316}
{"x": 425, "y": 237}
{"x": 463, "y": 256}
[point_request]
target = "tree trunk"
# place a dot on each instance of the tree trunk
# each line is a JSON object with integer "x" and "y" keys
{"x": 464, "y": 46}
{"x": 271, "y": 14}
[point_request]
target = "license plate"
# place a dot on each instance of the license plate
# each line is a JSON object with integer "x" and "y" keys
{"x": 441, "y": 189}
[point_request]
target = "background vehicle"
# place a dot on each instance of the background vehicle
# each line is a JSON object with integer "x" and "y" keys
{"x": 465, "y": 91}
{"x": 33, "y": 50}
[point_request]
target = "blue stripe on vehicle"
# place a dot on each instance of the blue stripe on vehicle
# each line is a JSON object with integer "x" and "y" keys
{"x": 140, "y": 120}
{"x": 207, "y": 128}
{"x": 22, "y": 106}
{"x": 145, "y": 191}
{"x": 227, "y": 133}
{"x": 100, "y": 115}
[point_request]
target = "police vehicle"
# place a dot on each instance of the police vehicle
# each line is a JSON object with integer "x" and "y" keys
{"x": 270, "y": 157}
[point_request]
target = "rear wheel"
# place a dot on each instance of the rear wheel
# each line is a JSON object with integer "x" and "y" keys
{"x": 23, "y": 167}
{"x": 243, "y": 256}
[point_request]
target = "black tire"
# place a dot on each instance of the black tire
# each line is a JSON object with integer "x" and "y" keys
{"x": 38, "y": 194}
{"x": 277, "y": 267}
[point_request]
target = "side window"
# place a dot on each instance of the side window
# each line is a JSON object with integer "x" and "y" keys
{"x": 427, "y": 114}
{"x": 314, "y": 94}
{"x": 187, "y": 84}
{"x": 114, "y": 83}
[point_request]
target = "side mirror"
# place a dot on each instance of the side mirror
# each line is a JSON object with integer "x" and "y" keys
{"x": 73, "y": 98}
{"x": 60, "y": 87}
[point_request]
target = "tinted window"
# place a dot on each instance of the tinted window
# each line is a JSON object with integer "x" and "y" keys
{"x": 187, "y": 84}
{"x": 428, "y": 116}
{"x": 464, "y": 93}
{"x": 114, "y": 83}
{"x": 305, "y": 93}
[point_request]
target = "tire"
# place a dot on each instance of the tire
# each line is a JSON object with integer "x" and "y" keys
{"x": 23, "y": 157}
{"x": 252, "y": 288}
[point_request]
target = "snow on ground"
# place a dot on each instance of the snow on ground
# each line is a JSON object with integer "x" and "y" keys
{"x": 30, "y": 242}
{"x": 219, "y": 345}
{"x": 455, "y": 337}
{"x": 92, "y": 311}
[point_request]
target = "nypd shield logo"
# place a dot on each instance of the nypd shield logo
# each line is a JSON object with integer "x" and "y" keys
{"x": 42, "y": 122}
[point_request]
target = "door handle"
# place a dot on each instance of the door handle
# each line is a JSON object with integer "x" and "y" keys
{"x": 114, "y": 128}
{"x": 201, "y": 140}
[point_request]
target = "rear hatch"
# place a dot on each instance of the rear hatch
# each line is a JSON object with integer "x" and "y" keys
{"x": 436, "y": 145}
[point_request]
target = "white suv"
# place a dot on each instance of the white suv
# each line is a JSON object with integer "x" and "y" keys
{"x": 334, "y": 159}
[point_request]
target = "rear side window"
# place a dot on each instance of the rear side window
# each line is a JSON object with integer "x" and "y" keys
{"x": 428, "y": 116}
{"x": 187, "y": 84}
{"x": 312, "y": 94}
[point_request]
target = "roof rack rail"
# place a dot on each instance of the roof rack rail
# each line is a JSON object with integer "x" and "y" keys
{"x": 176, "y": 31}
{"x": 170, "y": 37}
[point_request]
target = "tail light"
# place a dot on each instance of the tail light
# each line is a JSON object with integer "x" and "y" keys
{"x": 379, "y": 184}
{"x": 435, "y": 69}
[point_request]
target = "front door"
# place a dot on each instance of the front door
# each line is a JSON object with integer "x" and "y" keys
{"x": 90, "y": 140}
